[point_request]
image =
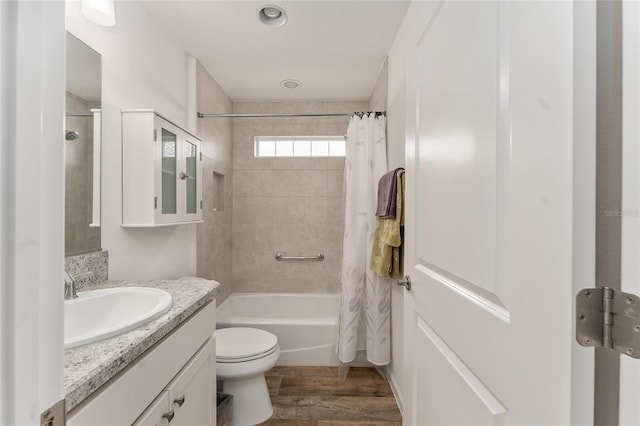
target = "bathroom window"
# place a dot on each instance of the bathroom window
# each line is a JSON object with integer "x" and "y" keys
{"x": 299, "y": 146}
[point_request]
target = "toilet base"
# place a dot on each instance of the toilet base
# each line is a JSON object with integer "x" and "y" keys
{"x": 251, "y": 400}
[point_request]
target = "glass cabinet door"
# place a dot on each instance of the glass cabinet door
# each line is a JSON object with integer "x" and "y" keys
{"x": 177, "y": 179}
{"x": 168, "y": 175}
{"x": 190, "y": 177}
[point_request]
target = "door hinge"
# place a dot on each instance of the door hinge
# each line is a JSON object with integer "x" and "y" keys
{"x": 200, "y": 204}
{"x": 55, "y": 415}
{"x": 608, "y": 318}
{"x": 155, "y": 203}
{"x": 201, "y": 156}
{"x": 155, "y": 135}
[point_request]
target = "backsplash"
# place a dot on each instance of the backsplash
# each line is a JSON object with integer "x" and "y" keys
{"x": 97, "y": 263}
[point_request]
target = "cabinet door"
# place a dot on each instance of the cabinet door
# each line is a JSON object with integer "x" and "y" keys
{"x": 157, "y": 414}
{"x": 191, "y": 180}
{"x": 193, "y": 391}
{"x": 168, "y": 161}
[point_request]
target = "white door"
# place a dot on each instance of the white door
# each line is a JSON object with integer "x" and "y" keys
{"x": 489, "y": 152}
{"x": 630, "y": 367}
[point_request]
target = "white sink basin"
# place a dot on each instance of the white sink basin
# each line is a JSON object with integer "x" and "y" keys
{"x": 100, "y": 314}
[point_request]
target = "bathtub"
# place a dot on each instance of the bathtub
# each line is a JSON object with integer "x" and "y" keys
{"x": 306, "y": 324}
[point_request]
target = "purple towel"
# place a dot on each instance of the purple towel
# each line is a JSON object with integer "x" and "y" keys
{"x": 387, "y": 194}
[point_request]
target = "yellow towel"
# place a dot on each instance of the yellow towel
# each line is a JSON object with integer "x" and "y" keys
{"x": 386, "y": 254}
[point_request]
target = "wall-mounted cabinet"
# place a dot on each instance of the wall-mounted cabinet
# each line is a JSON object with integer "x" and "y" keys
{"x": 161, "y": 172}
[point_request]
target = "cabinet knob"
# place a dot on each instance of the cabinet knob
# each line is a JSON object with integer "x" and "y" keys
{"x": 183, "y": 175}
{"x": 179, "y": 401}
{"x": 169, "y": 416}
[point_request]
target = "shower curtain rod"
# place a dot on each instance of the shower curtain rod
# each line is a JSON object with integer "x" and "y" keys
{"x": 295, "y": 114}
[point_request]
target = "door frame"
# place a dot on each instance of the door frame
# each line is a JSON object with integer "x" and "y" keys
{"x": 630, "y": 271}
{"x": 32, "y": 84}
{"x": 584, "y": 200}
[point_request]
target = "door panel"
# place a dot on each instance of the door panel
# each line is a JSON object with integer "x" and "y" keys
{"x": 457, "y": 209}
{"x": 464, "y": 400}
{"x": 457, "y": 128}
{"x": 489, "y": 213}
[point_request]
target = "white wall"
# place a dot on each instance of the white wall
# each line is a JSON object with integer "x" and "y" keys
{"x": 142, "y": 67}
{"x": 395, "y": 148}
{"x": 381, "y": 100}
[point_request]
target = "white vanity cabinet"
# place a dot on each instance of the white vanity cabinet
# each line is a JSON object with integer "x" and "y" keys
{"x": 193, "y": 393}
{"x": 161, "y": 172}
{"x": 158, "y": 413}
{"x": 189, "y": 399}
{"x": 175, "y": 380}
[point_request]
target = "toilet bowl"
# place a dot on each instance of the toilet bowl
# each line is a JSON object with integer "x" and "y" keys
{"x": 243, "y": 355}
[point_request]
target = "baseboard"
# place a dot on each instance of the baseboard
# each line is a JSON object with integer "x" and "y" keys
{"x": 397, "y": 393}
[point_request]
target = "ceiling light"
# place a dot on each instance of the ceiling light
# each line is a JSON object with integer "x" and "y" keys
{"x": 290, "y": 84}
{"x": 272, "y": 12}
{"x": 102, "y": 12}
{"x": 272, "y": 15}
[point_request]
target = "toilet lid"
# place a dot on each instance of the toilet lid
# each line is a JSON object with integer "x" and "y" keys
{"x": 237, "y": 343}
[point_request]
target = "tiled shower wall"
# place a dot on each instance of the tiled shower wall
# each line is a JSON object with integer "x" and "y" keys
{"x": 79, "y": 236}
{"x": 213, "y": 236}
{"x": 287, "y": 205}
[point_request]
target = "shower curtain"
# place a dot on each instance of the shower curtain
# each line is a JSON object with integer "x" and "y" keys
{"x": 365, "y": 296}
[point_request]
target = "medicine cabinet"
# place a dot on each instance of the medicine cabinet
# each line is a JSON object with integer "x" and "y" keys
{"x": 161, "y": 172}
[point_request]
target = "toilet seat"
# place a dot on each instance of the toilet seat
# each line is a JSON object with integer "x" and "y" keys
{"x": 241, "y": 370}
{"x": 246, "y": 358}
{"x": 242, "y": 344}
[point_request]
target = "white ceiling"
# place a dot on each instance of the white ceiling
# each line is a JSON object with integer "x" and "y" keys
{"x": 335, "y": 48}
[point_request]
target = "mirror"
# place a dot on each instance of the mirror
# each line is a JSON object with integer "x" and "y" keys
{"x": 82, "y": 140}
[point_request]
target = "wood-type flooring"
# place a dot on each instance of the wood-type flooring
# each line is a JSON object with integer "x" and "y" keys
{"x": 315, "y": 396}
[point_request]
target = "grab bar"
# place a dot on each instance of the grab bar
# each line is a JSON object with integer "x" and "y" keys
{"x": 318, "y": 257}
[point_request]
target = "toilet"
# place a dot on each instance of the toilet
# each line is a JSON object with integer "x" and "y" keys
{"x": 243, "y": 355}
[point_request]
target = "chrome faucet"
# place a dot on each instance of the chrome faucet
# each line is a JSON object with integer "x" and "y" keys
{"x": 69, "y": 286}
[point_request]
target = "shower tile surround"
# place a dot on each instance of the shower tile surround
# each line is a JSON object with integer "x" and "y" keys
{"x": 79, "y": 236}
{"x": 213, "y": 236}
{"x": 288, "y": 205}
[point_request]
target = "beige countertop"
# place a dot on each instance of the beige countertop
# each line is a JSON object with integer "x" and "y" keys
{"x": 88, "y": 367}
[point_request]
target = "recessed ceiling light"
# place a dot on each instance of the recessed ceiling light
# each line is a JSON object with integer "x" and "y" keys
{"x": 272, "y": 15}
{"x": 290, "y": 83}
